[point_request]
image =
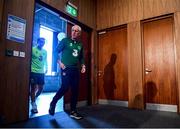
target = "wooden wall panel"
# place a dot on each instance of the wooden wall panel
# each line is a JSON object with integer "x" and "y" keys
{"x": 60, "y": 5}
{"x": 1, "y": 11}
{"x": 120, "y": 14}
{"x": 135, "y": 10}
{"x": 154, "y": 8}
{"x": 103, "y": 18}
{"x": 177, "y": 45}
{"x": 94, "y": 60}
{"x": 1, "y": 57}
{"x": 14, "y": 71}
{"x": 117, "y": 12}
{"x": 135, "y": 66}
{"x": 86, "y": 10}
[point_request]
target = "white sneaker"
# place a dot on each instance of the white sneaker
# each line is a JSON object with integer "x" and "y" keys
{"x": 34, "y": 108}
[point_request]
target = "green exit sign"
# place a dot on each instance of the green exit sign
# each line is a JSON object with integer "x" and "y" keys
{"x": 71, "y": 9}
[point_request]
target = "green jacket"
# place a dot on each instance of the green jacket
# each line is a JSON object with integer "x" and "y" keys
{"x": 72, "y": 52}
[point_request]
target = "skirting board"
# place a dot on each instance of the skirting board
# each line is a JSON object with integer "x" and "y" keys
{"x": 113, "y": 102}
{"x": 161, "y": 107}
{"x": 149, "y": 106}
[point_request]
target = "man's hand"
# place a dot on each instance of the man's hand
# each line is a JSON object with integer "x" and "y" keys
{"x": 83, "y": 68}
{"x": 61, "y": 65}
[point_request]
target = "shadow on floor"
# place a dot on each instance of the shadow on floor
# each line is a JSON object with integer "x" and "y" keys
{"x": 105, "y": 116}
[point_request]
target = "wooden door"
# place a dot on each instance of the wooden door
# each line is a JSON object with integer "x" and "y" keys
{"x": 159, "y": 60}
{"x": 112, "y": 61}
{"x": 84, "y": 86}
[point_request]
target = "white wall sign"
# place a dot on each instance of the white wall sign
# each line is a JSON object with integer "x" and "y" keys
{"x": 16, "y": 29}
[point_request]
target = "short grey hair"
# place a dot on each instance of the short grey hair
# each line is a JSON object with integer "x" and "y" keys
{"x": 79, "y": 28}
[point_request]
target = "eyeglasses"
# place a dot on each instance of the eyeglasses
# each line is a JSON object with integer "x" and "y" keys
{"x": 75, "y": 30}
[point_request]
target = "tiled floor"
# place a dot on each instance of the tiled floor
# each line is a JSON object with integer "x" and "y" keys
{"x": 43, "y": 102}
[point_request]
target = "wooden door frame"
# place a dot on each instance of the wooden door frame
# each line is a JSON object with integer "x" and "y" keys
{"x": 143, "y": 54}
{"x": 90, "y": 31}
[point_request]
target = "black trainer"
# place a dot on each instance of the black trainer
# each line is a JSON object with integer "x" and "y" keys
{"x": 51, "y": 110}
{"x": 75, "y": 115}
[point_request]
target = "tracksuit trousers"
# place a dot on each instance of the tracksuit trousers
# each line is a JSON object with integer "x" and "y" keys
{"x": 70, "y": 79}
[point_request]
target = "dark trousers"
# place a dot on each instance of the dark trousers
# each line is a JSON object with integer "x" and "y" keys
{"x": 70, "y": 79}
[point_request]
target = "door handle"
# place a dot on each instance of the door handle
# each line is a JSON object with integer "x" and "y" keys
{"x": 99, "y": 73}
{"x": 147, "y": 71}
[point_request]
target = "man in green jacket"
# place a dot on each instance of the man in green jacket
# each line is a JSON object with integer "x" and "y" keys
{"x": 72, "y": 55}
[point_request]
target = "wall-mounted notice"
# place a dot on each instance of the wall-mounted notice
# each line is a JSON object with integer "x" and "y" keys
{"x": 16, "y": 29}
